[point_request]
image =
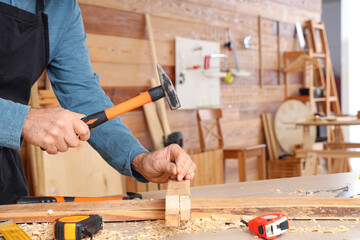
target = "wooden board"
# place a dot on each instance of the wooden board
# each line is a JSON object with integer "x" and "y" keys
{"x": 295, "y": 208}
{"x": 80, "y": 172}
{"x": 209, "y": 167}
{"x": 177, "y": 202}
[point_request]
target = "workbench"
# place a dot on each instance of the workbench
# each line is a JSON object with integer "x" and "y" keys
{"x": 266, "y": 188}
{"x": 302, "y": 188}
{"x": 340, "y": 150}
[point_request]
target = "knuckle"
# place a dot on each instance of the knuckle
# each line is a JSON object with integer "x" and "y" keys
{"x": 54, "y": 133}
{"x": 60, "y": 123}
{"x": 48, "y": 142}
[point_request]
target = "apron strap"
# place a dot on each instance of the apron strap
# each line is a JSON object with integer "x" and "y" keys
{"x": 40, "y": 6}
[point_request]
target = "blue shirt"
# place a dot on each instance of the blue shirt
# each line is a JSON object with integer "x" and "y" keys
{"x": 75, "y": 85}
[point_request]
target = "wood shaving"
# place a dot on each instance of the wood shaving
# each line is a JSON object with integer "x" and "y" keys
{"x": 151, "y": 230}
{"x": 38, "y": 231}
{"x": 157, "y": 229}
{"x": 50, "y": 211}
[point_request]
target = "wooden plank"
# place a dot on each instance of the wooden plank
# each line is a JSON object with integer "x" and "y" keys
{"x": 225, "y": 12}
{"x": 329, "y": 153}
{"x": 210, "y": 167}
{"x": 153, "y": 123}
{"x": 80, "y": 171}
{"x": 114, "y": 49}
{"x": 185, "y": 208}
{"x": 172, "y": 212}
{"x": 125, "y": 75}
{"x": 267, "y": 137}
{"x": 295, "y": 208}
{"x": 177, "y": 202}
{"x": 107, "y": 21}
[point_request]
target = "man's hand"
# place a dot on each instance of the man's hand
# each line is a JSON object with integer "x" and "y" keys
{"x": 158, "y": 166}
{"x": 54, "y": 129}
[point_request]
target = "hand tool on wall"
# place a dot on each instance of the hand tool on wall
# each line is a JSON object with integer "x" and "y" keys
{"x": 166, "y": 89}
{"x": 49, "y": 199}
{"x": 232, "y": 47}
{"x": 77, "y": 227}
{"x": 247, "y": 42}
{"x": 228, "y": 77}
{"x": 268, "y": 226}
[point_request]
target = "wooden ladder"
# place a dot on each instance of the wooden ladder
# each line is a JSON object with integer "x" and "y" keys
{"x": 320, "y": 50}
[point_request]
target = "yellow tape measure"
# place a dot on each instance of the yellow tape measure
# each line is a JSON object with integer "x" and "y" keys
{"x": 11, "y": 231}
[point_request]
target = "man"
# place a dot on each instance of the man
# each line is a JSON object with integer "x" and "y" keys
{"x": 35, "y": 36}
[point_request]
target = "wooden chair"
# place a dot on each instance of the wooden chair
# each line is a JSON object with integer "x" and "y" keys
{"x": 211, "y": 117}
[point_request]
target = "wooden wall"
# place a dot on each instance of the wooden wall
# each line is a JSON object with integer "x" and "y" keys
{"x": 120, "y": 54}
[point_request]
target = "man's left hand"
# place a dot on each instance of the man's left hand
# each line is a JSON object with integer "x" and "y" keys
{"x": 159, "y": 166}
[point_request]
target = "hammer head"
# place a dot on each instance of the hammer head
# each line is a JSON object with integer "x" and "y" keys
{"x": 168, "y": 88}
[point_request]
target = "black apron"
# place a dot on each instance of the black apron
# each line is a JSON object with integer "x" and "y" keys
{"x": 24, "y": 54}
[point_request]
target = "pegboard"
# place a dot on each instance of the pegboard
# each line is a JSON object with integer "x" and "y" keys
{"x": 195, "y": 86}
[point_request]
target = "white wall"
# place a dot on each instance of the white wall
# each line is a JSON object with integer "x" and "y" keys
{"x": 350, "y": 74}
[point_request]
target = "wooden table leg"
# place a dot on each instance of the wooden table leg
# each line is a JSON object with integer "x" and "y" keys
{"x": 242, "y": 166}
{"x": 310, "y": 160}
{"x": 261, "y": 164}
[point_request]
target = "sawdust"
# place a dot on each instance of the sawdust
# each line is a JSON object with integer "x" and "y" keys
{"x": 38, "y": 231}
{"x": 151, "y": 230}
{"x": 158, "y": 230}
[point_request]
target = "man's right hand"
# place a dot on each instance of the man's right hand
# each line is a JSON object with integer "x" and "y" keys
{"x": 54, "y": 129}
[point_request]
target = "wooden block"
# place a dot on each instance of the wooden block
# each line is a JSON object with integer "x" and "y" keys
{"x": 178, "y": 188}
{"x": 185, "y": 208}
{"x": 177, "y": 203}
{"x": 172, "y": 211}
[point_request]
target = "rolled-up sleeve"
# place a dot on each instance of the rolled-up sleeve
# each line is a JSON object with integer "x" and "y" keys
{"x": 77, "y": 89}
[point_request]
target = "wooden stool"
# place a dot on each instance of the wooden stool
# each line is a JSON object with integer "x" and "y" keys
{"x": 242, "y": 153}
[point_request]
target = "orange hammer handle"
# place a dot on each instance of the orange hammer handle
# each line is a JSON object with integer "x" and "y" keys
{"x": 128, "y": 105}
{"x": 98, "y": 118}
{"x": 149, "y": 96}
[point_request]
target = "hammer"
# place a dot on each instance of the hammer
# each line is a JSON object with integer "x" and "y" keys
{"x": 166, "y": 89}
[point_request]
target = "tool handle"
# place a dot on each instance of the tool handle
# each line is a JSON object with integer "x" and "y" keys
{"x": 95, "y": 119}
{"x": 98, "y": 118}
{"x": 25, "y": 200}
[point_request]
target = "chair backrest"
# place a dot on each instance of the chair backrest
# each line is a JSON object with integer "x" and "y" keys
{"x": 209, "y": 126}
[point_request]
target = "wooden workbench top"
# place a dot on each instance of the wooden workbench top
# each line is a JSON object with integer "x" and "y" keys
{"x": 301, "y": 187}
{"x": 290, "y": 187}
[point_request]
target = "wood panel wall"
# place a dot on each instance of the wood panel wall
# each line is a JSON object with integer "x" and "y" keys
{"x": 120, "y": 54}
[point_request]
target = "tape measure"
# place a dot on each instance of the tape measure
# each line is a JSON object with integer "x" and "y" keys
{"x": 268, "y": 226}
{"x": 77, "y": 227}
{"x": 10, "y": 231}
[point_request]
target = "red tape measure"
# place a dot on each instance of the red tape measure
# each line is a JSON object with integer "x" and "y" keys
{"x": 268, "y": 226}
